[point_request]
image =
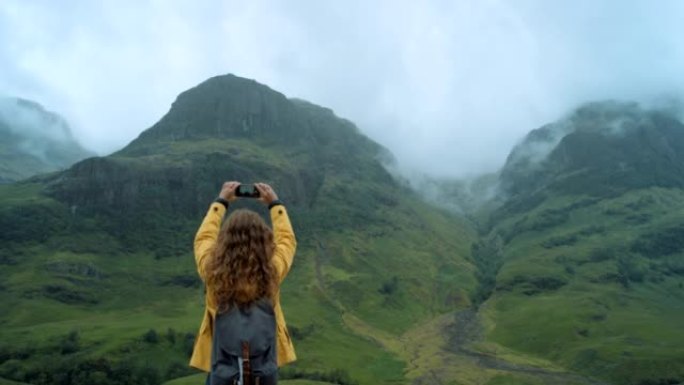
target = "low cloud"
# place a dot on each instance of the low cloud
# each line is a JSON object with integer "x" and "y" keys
{"x": 35, "y": 130}
{"x": 449, "y": 87}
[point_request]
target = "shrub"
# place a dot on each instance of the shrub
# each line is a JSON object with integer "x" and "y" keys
{"x": 601, "y": 254}
{"x": 591, "y": 230}
{"x": 171, "y": 336}
{"x": 660, "y": 381}
{"x": 8, "y": 255}
{"x": 151, "y": 337}
{"x": 188, "y": 343}
{"x": 68, "y": 295}
{"x": 301, "y": 333}
{"x": 184, "y": 280}
{"x": 55, "y": 371}
{"x": 629, "y": 271}
{"x": 673, "y": 267}
{"x": 549, "y": 218}
{"x": 665, "y": 242}
{"x": 534, "y": 285}
{"x": 389, "y": 287}
{"x": 335, "y": 376}
{"x": 178, "y": 369}
{"x": 487, "y": 257}
{"x": 18, "y": 224}
{"x": 641, "y": 203}
{"x": 564, "y": 240}
{"x": 70, "y": 343}
{"x": 638, "y": 219}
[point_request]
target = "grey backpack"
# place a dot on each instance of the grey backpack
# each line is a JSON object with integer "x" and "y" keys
{"x": 244, "y": 346}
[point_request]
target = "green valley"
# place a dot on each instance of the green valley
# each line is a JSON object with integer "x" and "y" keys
{"x": 98, "y": 276}
{"x": 571, "y": 273}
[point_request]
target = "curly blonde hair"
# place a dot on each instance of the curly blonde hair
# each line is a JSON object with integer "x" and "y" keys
{"x": 241, "y": 270}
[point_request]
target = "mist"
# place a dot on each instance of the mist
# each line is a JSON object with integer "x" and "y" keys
{"x": 36, "y": 131}
{"x": 449, "y": 87}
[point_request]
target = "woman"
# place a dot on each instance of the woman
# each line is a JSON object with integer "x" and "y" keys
{"x": 241, "y": 262}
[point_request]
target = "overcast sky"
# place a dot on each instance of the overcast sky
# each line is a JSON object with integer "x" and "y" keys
{"x": 448, "y": 86}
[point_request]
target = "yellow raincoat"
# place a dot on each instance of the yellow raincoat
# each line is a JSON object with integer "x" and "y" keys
{"x": 205, "y": 242}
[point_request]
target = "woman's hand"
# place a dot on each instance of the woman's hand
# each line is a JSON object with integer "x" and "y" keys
{"x": 266, "y": 193}
{"x": 228, "y": 191}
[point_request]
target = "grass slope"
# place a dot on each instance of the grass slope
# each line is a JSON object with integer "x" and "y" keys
{"x": 596, "y": 285}
{"x": 78, "y": 299}
{"x": 198, "y": 379}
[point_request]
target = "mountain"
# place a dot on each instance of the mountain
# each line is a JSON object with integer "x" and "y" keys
{"x": 565, "y": 267}
{"x": 34, "y": 141}
{"x": 583, "y": 262}
{"x": 602, "y": 149}
{"x": 99, "y": 280}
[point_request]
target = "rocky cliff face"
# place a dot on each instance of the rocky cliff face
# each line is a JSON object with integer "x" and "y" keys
{"x": 230, "y": 128}
{"x": 230, "y": 107}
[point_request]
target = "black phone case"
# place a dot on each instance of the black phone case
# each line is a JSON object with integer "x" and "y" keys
{"x": 247, "y": 191}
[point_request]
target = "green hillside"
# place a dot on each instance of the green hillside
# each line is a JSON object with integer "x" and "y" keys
{"x": 591, "y": 269}
{"x": 98, "y": 280}
{"x": 568, "y": 271}
{"x": 595, "y": 286}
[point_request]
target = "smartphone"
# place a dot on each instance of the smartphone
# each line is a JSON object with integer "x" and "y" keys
{"x": 247, "y": 191}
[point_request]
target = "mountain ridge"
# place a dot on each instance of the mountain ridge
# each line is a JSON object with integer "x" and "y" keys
{"x": 560, "y": 282}
{"x": 228, "y": 106}
{"x": 601, "y": 148}
{"x": 583, "y": 245}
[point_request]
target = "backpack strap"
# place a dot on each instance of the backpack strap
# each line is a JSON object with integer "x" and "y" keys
{"x": 247, "y": 370}
{"x": 240, "y": 378}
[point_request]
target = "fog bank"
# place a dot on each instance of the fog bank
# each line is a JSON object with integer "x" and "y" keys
{"x": 448, "y": 86}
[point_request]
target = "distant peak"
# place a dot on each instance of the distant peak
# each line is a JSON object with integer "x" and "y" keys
{"x": 35, "y": 140}
{"x": 25, "y": 117}
{"x": 608, "y": 117}
{"x": 600, "y": 148}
